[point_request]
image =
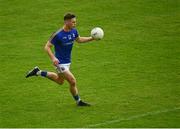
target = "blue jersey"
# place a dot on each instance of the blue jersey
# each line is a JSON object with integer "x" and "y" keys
{"x": 63, "y": 43}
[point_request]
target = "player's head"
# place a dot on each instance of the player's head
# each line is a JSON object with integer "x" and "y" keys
{"x": 70, "y": 20}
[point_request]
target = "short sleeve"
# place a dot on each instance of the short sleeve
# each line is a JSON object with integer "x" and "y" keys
{"x": 53, "y": 39}
{"x": 76, "y": 34}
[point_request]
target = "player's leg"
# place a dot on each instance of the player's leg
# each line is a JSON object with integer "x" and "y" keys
{"x": 50, "y": 75}
{"x": 73, "y": 88}
{"x": 63, "y": 73}
{"x": 72, "y": 82}
{"x": 58, "y": 78}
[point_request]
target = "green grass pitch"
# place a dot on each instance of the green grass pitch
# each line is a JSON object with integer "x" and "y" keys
{"x": 131, "y": 77}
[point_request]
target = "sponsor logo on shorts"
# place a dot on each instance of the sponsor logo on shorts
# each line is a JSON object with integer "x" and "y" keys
{"x": 62, "y": 68}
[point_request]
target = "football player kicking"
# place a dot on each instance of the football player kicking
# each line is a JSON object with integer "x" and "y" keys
{"x": 62, "y": 41}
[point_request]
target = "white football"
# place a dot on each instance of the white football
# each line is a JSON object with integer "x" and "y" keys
{"x": 97, "y": 33}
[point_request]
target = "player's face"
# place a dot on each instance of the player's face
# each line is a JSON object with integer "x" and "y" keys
{"x": 71, "y": 23}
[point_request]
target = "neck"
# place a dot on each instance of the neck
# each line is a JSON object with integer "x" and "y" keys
{"x": 66, "y": 28}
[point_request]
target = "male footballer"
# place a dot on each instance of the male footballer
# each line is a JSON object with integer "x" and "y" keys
{"x": 63, "y": 41}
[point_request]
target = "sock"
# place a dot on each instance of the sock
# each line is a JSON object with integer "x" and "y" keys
{"x": 42, "y": 73}
{"x": 76, "y": 98}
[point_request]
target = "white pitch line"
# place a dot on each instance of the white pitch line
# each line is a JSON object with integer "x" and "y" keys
{"x": 134, "y": 117}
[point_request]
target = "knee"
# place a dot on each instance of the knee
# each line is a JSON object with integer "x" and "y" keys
{"x": 72, "y": 82}
{"x": 60, "y": 81}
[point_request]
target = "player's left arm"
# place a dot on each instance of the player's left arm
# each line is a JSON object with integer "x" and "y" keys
{"x": 84, "y": 39}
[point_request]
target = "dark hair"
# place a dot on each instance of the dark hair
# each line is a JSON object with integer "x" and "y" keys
{"x": 69, "y": 16}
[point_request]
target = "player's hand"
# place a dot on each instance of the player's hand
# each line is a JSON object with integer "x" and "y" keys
{"x": 92, "y": 38}
{"x": 55, "y": 61}
{"x": 95, "y": 39}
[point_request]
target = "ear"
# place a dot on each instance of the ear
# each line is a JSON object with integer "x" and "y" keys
{"x": 65, "y": 22}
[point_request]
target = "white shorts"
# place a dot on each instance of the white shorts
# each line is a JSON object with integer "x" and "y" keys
{"x": 61, "y": 68}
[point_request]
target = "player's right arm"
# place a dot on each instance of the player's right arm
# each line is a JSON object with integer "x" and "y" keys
{"x": 47, "y": 48}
